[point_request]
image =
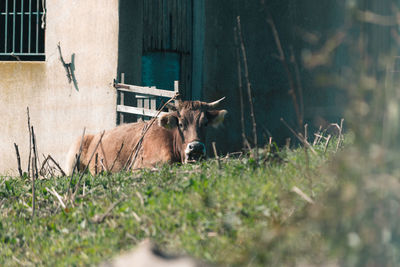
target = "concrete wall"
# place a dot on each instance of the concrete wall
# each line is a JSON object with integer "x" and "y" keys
{"x": 60, "y": 110}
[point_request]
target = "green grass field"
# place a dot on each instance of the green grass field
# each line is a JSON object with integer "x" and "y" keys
{"x": 216, "y": 214}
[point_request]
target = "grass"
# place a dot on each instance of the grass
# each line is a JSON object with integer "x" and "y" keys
{"x": 214, "y": 214}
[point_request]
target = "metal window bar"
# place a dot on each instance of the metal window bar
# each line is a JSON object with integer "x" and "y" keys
{"x": 13, "y": 16}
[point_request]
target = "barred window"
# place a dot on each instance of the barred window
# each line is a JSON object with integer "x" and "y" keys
{"x": 22, "y": 30}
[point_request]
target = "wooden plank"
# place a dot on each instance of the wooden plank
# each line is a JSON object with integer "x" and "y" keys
{"x": 144, "y": 90}
{"x": 153, "y": 104}
{"x": 138, "y": 111}
{"x": 122, "y": 99}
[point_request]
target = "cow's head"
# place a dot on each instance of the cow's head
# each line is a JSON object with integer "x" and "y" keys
{"x": 189, "y": 121}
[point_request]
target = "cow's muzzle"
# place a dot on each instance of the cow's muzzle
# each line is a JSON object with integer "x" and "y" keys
{"x": 195, "y": 151}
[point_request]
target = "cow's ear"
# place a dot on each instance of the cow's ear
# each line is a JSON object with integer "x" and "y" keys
{"x": 168, "y": 121}
{"x": 216, "y": 117}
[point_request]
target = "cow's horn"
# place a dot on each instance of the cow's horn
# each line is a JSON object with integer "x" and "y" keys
{"x": 215, "y": 103}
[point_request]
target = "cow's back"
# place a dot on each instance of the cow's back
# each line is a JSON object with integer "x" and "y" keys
{"x": 156, "y": 147}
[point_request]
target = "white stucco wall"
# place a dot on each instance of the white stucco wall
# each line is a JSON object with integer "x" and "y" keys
{"x": 88, "y": 29}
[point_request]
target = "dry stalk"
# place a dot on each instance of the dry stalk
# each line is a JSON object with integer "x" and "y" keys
{"x": 246, "y": 75}
{"x": 340, "y": 138}
{"x": 282, "y": 58}
{"x": 140, "y": 198}
{"x": 54, "y": 193}
{"x": 318, "y": 136}
{"x": 117, "y": 156}
{"x": 103, "y": 161}
{"x": 96, "y": 160}
{"x": 46, "y": 161}
{"x": 244, "y": 138}
{"x": 102, "y": 166}
{"x": 299, "y": 86}
{"x": 30, "y": 140}
{"x": 18, "y": 159}
{"x": 100, "y": 218}
{"x": 33, "y": 187}
{"x": 216, "y": 155}
{"x": 87, "y": 166}
{"x": 78, "y": 157}
{"x": 135, "y": 150}
{"x": 327, "y": 143}
{"x": 300, "y": 137}
{"x": 57, "y": 165}
{"x": 303, "y": 195}
{"x": 34, "y": 170}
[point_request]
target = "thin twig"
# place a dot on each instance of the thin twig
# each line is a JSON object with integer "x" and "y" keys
{"x": 100, "y": 218}
{"x": 246, "y": 75}
{"x": 54, "y": 193}
{"x": 299, "y": 86}
{"x": 78, "y": 157}
{"x": 33, "y": 187}
{"x": 96, "y": 160}
{"x": 117, "y": 156}
{"x": 300, "y": 137}
{"x": 317, "y": 136}
{"x": 104, "y": 164}
{"x": 327, "y": 143}
{"x": 35, "y": 153}
{"x": 282, "y": 58}
{"x": 303, "y": 195}
{"x": 18, "y": 159}
{"x": 216, "y": 155}
{"x": 87, "y": 166}
{"x": 30, "y": 140}
{"x": 57, "y": 165}
{"x": 135, "y": 151}
{"x": 35, "y": 174}
{"x": 244, "y": 138}
{"x": 340, "y": 138}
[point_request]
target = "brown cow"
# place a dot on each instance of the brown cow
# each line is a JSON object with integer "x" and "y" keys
{"x": 177, "y": 137}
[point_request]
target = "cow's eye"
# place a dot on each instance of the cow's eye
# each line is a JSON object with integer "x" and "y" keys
{"x": 181, "y": 125}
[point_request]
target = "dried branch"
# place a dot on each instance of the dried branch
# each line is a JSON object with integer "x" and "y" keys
{"x": 34, "y": 172}
{"x": 282, "y": 58}
{"x": 101, "y": 218}
{"x": 54, "y": 193}
{"x": 303, "y": 195}
{"x": 78, "y": 157}
{"x": 246, "y": 74}
{"x": 216, "y": 155}
{"x": 50, "y": 158}
{"x": 96, "y": 160}
{"x": 18, "y": 159}
{"x": 87, "y": 166}
{"x": 117, "y": 156}
{"x": 299, "y": 85}
{"x": 244, "y": 138}
{"x": 300, "y": 137}
{"x": 30, "y": 140}
{"x": 327, "y": 143}
{"x": 135, "y": 150}
{"x": 103, "y": 161}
